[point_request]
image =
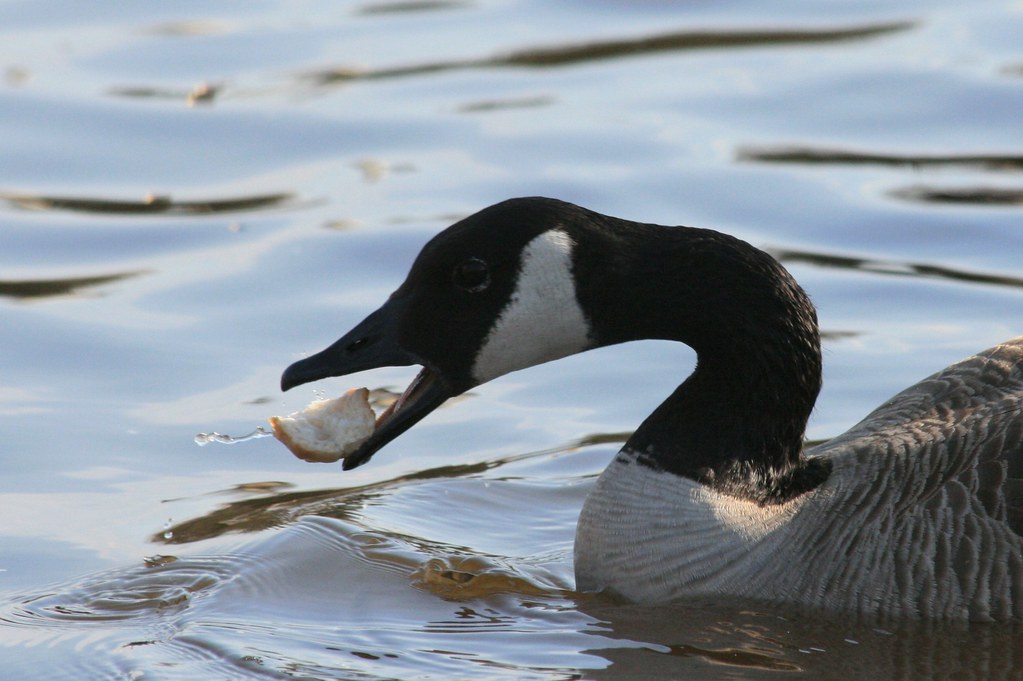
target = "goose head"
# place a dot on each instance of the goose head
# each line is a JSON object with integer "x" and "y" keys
{"x": 531, "y": 280}
{"x": 491, "y": 294}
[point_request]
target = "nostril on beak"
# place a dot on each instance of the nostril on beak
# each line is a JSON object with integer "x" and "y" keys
{"x": 358, "y": 344}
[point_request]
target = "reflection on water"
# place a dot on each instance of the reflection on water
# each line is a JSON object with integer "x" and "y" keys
{"x": 568, "y": 55}
{"x": 31, "y": 289}
{"x": 150, "y": 205}
{"x": 489, "y": 105}
{"x": 984, "y": 196}
{"x": 259, "y": 513}
{"x": 203, "y": 93}
{"x": 975, "y": 195}
{"x": 463, "y": 578}
{"x": 895, "y": 268}
{"x": 822, "y": 156}
{"x": 407, "y": 7}
{"x": 708, "y": 637}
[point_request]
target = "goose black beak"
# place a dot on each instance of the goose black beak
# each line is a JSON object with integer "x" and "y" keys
{"x": 372, "y": 344}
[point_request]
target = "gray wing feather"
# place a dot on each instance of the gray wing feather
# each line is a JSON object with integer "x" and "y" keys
{"x": 957, "y": 436}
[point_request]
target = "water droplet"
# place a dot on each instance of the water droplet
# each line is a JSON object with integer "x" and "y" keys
{"x": 203, "y": 439}
{"x": 158, "y": 560}
{"x": 168, "y": 533}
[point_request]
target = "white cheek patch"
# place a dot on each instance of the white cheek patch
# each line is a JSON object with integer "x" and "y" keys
{"x": 542, "y": 321}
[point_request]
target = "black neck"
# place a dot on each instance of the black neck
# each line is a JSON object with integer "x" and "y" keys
{"x": 738, "y": 421}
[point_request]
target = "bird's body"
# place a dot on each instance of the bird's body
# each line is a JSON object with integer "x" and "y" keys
{"x": 920, "y": 515}
{"x": 916, "y": 511}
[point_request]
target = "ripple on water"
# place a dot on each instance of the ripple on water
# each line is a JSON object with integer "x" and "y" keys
{"x": 160, "y": 586}
{"x": 337, "y": 596}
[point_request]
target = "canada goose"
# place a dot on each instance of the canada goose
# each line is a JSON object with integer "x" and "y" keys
{"x": 916, "y": 511}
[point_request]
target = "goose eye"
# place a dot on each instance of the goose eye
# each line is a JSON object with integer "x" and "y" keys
{"x": 471, "y": 275}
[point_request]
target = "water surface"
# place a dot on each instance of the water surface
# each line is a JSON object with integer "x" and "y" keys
{"x": 191, "y": 198}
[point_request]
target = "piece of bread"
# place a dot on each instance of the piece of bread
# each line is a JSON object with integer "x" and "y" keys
{"x": 327, "y": 430}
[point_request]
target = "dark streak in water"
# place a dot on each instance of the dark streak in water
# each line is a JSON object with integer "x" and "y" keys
{"x": 823, "y": 156}
{"x": 409, "y": 7}
{"x": 895, "y": 268}
{"x": 983, "y": 196}
{"x": 603, "y": 439}
{"x": 838, "y": 334}
{"x": 565, "y": 55}
{"x": 488, "y": 105}
{"x": 203, "y": 93}
{"x": 49, "y": 288}
{"x": 694, "y": 40}
{"x": 150, "y": 205}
